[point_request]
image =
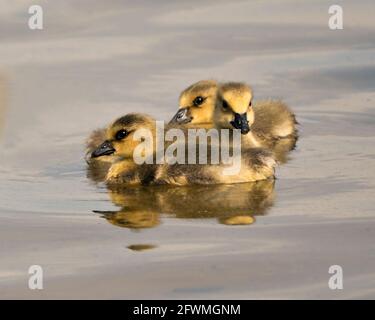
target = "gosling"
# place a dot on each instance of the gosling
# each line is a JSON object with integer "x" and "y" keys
{"x": 197, "y": 105}
{"x": 262, "y": 125}
{"x": 256, "y": 163}
{"x": 272, "y": 124}
{"x": 271, "y": 119}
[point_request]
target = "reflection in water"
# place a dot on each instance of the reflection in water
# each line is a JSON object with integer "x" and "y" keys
{"x": 132, "y": 218}
{"x": 237, "y": 220}
{"x": 141, "y": 247}
{"x": 232, "y": 204}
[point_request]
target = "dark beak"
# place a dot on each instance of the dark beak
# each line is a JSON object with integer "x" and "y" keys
{"x": 105, "y": 149}
{"x": 181, "y": 116}
{"x": 240, "y": 122}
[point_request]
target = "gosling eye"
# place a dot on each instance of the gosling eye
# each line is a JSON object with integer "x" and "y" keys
{"x": 250, "y": 103}
{"x": 198, "y": 101}
{"x": 225, "y": 105}
{"x": 121, "y": 134}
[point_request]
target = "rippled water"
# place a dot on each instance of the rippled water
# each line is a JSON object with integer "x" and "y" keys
{"x": 94, "y": 62}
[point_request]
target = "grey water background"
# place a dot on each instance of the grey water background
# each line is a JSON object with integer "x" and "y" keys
{"x": 97, "y": 60}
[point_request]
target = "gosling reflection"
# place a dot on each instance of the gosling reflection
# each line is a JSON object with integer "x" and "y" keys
{"x": 237, "y": 220}
{"x": 235, "y": 204}
{"x": 132, "y": 218}
{"x": 141, "y": 247}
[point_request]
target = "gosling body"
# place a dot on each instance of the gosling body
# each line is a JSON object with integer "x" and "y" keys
{"x": 256, "y": 164}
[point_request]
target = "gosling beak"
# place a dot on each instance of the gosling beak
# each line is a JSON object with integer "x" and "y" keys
{"x": 105, "y": 149}
{"x": 181, "y": 116}
{"x": 240, "y": 122}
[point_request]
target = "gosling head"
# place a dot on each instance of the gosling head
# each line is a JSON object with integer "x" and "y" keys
{"x": 119, "y": 135}
{"x": 233, "y": 107}
{"x": 197, "y": 103}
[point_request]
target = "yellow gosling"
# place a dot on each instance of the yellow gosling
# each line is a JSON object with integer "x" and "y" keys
{"x": 256, "y": 164}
